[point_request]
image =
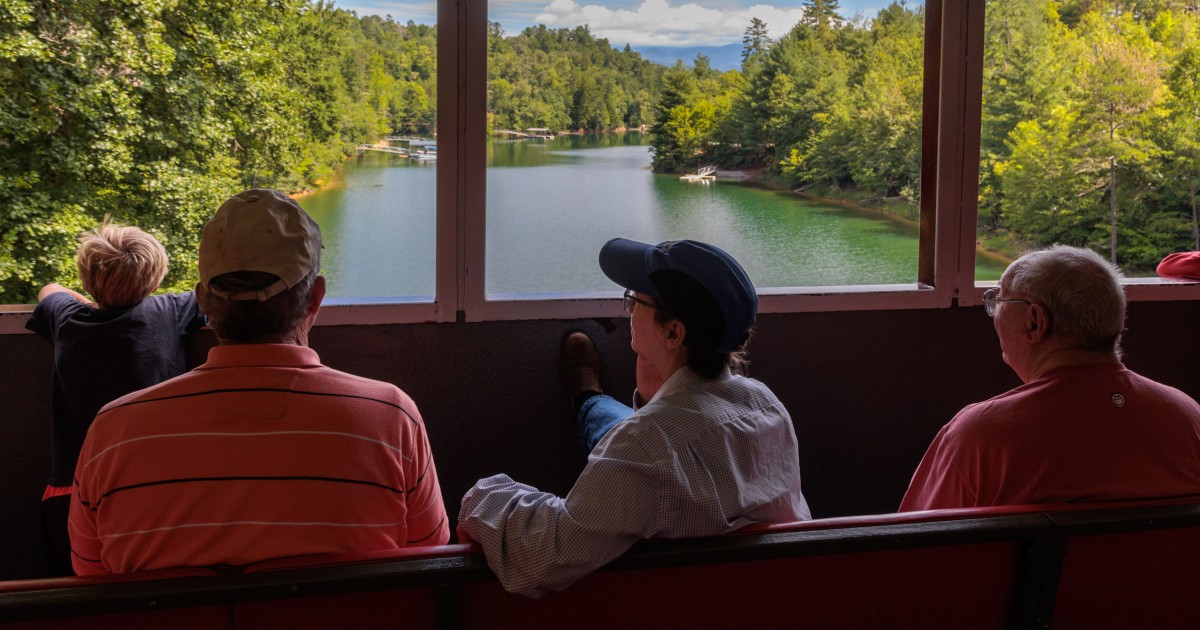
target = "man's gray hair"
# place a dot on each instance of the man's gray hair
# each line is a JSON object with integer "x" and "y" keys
{"x": 252, "y": 321}
{"x": 1081, "y": 290}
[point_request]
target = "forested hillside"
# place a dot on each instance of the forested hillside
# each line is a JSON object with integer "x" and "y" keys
{"x": 154, "y": 111}
{"x": 1091, "y": 118}
{"x": 567, "y": 79}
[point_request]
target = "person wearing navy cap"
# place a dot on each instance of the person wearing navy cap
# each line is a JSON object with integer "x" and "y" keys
{"x": 706, "y": 451}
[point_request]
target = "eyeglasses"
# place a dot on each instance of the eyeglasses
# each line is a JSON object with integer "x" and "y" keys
{"x": 630, "y": 299}
{"x": 991, "y": 298}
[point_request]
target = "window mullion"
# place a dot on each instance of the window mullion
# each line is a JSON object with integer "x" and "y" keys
{"x": 971, "y": 130}
{"x": 448, "y": 295}
{"x": 960, "y": 78}
{"x": 472, "y": 182}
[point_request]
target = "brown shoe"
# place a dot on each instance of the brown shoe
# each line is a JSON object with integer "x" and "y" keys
{"x": 580, "y": 365}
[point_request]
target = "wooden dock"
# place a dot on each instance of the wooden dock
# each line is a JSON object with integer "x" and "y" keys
{"x": 538, "y": 132}
{"x": 382, "y": 148}
{"x": 703, "y": 176}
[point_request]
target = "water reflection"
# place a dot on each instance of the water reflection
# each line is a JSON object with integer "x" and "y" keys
{"x": 553, "y": 203}
{"x": 378, "y": 228}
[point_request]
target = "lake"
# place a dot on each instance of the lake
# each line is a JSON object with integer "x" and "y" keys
{"x": 553, "y": 203}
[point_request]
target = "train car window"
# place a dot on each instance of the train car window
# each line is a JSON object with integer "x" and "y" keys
{"x": 494, "y": 148}
{"x": 1089, "y": 133}
{"x": 788, "y": 135}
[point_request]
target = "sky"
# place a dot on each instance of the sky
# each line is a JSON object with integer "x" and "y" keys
{"x": 638, "y": 23}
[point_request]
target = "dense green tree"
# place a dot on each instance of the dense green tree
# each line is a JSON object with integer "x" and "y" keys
{"x": 689, "y": 127}
{"x": 1026, "y": 71}
{"x": 802, "y": 78}
{"x": 122, "y": 109}
{"x": 1090, "y": 128}
{"x": 153, "y": 111}
{"x": 885, "y": 153}
{"x": 674, "y": 136}
{"x": 1180, "y": 127}
{"x": 865, "y": 132}
{"x": 1118, "y": 85}
{"x": 1046, "y": 186}
{"x": 822, "y": 15}
{"x": 566, "y": 79}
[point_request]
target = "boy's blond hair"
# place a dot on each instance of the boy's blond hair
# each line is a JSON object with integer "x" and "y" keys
{"x": 120, "y": 266}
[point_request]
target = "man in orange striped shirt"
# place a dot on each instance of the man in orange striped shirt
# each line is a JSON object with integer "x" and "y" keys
{"x": 262, "y": 452}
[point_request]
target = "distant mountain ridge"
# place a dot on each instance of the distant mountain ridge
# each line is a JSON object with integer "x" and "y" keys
{"x": 727, "y": 57}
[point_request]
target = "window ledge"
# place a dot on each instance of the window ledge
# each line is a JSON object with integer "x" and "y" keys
{"x": 1161, "y": 289}
{"x": 1151, "y": 289}
{"x": 508, "y": 307}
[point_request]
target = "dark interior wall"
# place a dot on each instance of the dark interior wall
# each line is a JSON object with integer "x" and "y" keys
{"x": 867, "y": 391}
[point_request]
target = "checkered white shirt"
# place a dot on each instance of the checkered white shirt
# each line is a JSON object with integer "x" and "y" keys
{"x": 703, "y": 457}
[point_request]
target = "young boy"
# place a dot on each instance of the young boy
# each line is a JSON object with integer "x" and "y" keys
{"x": 123, "y": 342}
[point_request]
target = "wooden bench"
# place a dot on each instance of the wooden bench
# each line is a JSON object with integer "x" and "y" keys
{"x": 1139, "y": 570}
{"x": 1013, "y": 567}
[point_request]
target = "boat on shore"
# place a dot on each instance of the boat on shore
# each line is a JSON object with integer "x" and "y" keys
{"x": 422, "y": 150}
{"x": 703, "y": 176}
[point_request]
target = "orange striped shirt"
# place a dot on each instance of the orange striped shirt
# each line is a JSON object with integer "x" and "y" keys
{"x": 262, "y": 452}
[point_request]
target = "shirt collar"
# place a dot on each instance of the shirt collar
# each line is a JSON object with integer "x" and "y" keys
{"x": 261, "y": 355}
{"x": 682, "y": 378}
{"x": 1081, "y": 368}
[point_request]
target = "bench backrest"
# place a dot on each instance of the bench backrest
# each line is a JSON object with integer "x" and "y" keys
{"x": 1129, "y": 573}
{"x": 959, "y": 586}
{"x": 992, "y": 568}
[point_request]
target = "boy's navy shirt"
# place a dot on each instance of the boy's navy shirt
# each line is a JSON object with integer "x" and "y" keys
{"x": 101, "y": 355}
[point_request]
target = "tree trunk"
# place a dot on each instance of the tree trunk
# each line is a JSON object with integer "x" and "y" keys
{"x": 1195, "y": 223}
{"x": 1112, "y": 198}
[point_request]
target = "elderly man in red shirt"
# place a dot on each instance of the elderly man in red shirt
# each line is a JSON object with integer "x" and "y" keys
{"x": 1082, "y": 427}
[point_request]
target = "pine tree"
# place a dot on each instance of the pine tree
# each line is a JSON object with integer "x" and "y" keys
{"x": 1181, "y": 127}
{"x": 1117, "y": 85}
{"x": 755, "y": 42}
{"x": 822, "y": 15}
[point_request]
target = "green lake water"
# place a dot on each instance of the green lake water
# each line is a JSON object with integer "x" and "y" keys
{"x": 553, "y": 204}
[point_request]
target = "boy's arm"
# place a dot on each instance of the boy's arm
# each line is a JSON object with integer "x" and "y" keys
{"x": 54, "y": 287}
{"x": 190, "y": 317}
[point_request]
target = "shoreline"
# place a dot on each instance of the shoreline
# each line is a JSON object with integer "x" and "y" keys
{"x": 337, "y": 180}
{"x": 755, "y": 176}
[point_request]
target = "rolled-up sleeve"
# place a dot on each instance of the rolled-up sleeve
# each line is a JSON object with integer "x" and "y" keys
{"x": 537, "y": 542}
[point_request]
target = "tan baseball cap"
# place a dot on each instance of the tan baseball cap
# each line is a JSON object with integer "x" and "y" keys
{"x": 259, "y": 230}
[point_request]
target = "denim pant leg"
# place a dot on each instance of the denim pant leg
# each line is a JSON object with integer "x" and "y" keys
{"x": 597, "y": 415}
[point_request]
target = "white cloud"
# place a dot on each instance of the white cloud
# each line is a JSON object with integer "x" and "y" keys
{"x": 401, "y": 11}
{"x": 650, "y": 23}
{"x": 657, "y": 23}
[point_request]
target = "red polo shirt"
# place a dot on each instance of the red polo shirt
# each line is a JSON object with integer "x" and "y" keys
{"x": 262, "y": 452}
{"x": 1084, "y": 433}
